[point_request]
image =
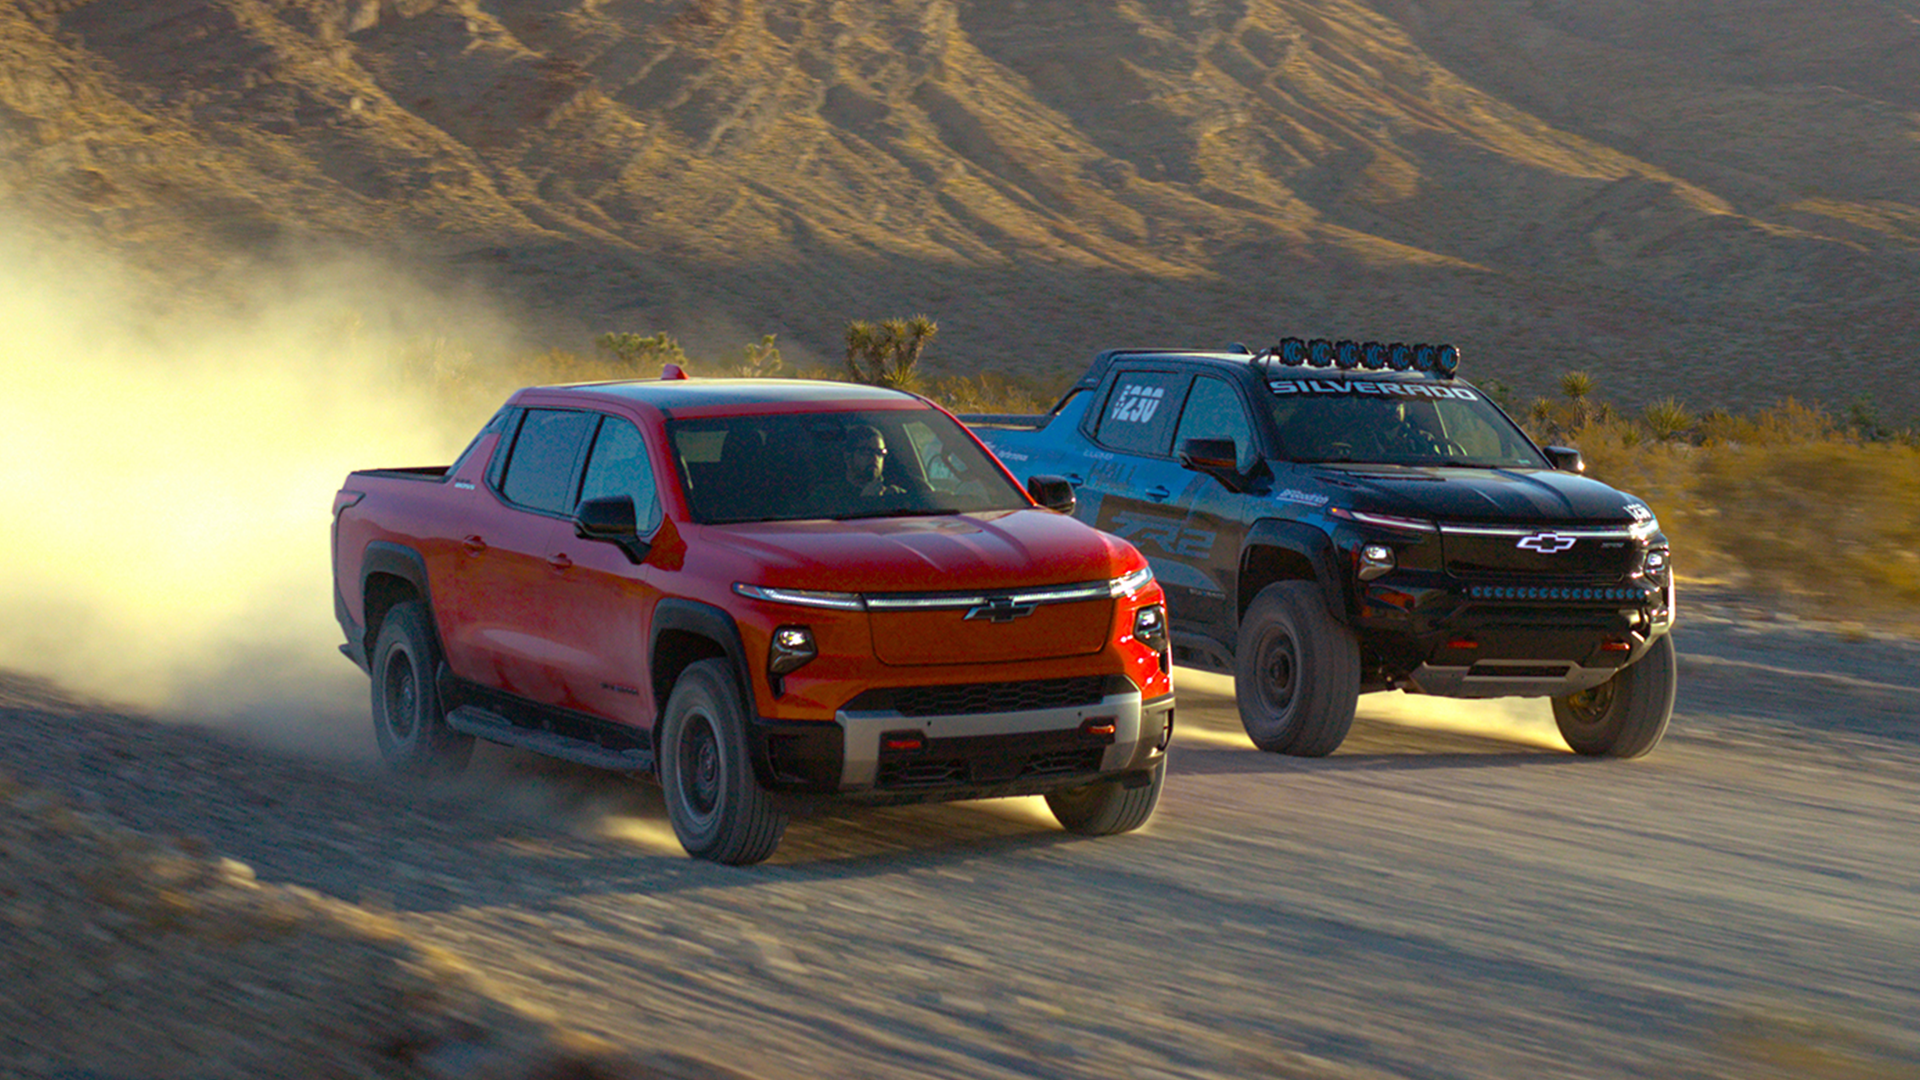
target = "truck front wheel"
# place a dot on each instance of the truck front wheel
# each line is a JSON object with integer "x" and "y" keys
{"x": 408, "y": 722}
{"x": 718, "y": 808}
{"x": 1107, "y": 806}
{"x": 1296, "y": 672}
{"x": 1625, "y": 716}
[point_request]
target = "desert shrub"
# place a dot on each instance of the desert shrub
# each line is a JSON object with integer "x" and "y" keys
{"x": 988, "y": 392}
{"x": 645, "y": 355}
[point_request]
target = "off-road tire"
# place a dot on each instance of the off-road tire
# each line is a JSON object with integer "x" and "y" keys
{"x": 1107, "y": 806}
{"x": 1296, "y": 672}
{"x": 717, "y": 806}
{"x": 1625, "y": 716}
{"x": 408, "y": 721}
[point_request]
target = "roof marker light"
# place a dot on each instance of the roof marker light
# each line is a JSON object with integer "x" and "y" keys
{"x": 1320, "y": 352}
{"x": 1346, "y": 354}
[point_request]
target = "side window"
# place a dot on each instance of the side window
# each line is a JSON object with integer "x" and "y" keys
{"x": 1140, "y": 412}
{"x": 509, "y": 419}
{"x": 1214, "y": 411}
{"x": 540, "y": 471}
{"x": 619, "y": 466}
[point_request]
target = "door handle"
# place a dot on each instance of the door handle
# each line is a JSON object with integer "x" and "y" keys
{"x": 474, "y": 544}
{"x": 1075, "y": 479}
{"x": 559, "y": 561}
{"x": 1159, "y": 493}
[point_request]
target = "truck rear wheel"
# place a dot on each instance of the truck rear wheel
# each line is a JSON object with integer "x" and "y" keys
{"x": 408, "y": 721}
{"x": 1296, "y": 672}
{"x": 718, "y": 808}
{"x": 1107, "y": 806}
{"x": 1625, "y": 716}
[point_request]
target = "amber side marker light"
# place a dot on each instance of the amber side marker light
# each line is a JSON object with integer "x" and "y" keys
{"x": 1100, "y": 725}
{"x": 1616, "y": 645}
{"x": 903, "y": 741}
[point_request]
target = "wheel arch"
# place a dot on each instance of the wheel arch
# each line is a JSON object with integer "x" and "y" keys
{"x": 390, "y": 574}
{"x": 1291, "y": 551}
{"x": 685, "y": 632}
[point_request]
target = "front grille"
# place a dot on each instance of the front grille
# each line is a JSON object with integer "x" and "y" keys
{"x": 972, "y": 698}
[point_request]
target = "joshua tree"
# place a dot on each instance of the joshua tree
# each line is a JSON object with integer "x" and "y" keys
{"x": 885, "y": 355}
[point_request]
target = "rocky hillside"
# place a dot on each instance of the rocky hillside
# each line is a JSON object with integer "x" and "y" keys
{"x": 1716, "y": 199}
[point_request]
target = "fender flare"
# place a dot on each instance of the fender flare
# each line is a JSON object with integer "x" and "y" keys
{"x": 1311, "y": 544}
{"x": 384, "y": 557}
{"x": 717, "y": 625}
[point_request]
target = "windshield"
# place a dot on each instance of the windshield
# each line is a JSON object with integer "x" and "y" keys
{"x": 1397, "y": 423}
{"x": 794, "y": 466}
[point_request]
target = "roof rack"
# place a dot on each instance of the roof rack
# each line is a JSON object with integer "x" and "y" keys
{"x": 1442, "y": 360}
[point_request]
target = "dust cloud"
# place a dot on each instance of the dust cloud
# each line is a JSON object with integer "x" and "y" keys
{"x": 169, "y": 468}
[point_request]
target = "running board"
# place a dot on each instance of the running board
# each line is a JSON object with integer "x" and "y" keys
{"x": 482, "y": 723}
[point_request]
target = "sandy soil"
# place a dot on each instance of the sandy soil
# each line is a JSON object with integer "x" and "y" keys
{"x": 1449, "y": 895}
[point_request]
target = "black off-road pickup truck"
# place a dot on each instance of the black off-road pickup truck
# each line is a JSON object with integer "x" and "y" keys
{"x": 1330, "y": 518}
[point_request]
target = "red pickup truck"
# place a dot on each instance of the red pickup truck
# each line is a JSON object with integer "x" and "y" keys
{"x": 771, "y": 594}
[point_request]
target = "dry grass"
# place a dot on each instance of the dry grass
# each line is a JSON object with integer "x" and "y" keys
{"x": 1787, "y": 501}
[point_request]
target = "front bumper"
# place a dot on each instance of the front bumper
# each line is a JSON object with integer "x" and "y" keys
{"x": 896, "y": 747}
{"x": 1441, "y": 637}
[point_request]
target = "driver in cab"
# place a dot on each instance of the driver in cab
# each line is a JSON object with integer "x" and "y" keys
{"x": 866, "y": 464}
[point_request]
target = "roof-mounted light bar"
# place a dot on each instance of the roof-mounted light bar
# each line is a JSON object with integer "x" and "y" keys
{"x": 1442, "y": 360}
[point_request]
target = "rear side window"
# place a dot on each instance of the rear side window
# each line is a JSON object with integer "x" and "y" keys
{"x": 540, "y": 472}
{"x": 1140, "y": 412}
{"x": 619, "y": 466}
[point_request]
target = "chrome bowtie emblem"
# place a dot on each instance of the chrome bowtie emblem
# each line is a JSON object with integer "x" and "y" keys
{"x": 1000, "y": 609}
{"x": 1547, "y": 543}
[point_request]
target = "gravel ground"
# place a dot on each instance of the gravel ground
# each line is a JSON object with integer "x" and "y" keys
{"x": 179, "y": 902}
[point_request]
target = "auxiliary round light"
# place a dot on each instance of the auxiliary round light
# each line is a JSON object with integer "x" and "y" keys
{"x": 1346, "y": 354}
{"x": 1320, "y": 352}
{"x": 1293, "y": 351}
{"x": 1373, "y": 356}
{"x": 1447, "y": 360}
{"x": 1423, "y": 357}
{"x": 1400, "y": 356}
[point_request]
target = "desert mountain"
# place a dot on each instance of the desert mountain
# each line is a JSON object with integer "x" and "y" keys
{"x": 1715, "y": 199}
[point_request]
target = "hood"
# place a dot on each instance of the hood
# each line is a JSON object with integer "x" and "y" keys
{"x": 1007, "y": 549}
{"x": 1486, "y": 496}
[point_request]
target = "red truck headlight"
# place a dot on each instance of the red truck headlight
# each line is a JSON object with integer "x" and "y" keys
{"x": 1150, "y": 627}
{"x": 791, "y": 650}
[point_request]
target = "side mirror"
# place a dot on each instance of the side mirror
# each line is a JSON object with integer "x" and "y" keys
{"x": 1566, "y": 459}
{"x": 1210, "y": 456}
{"x": 611, "y": 520}
{"x": 1220, "y": 459}
{"x": 1053, "y": 492}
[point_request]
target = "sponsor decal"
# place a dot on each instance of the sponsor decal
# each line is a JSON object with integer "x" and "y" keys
{"x": 1305, "y": 498}
{"x": 1348, "y": 388}
{"x": 1000, "y": 609}
{"x": 1008, "y": 455}
{"x": 1639, "y": 512}
{"x": 1547, "y": 543}
{"x": 1136, "y": 404}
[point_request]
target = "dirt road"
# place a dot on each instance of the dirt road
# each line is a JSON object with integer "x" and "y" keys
{"x": 1452, "y": 894}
